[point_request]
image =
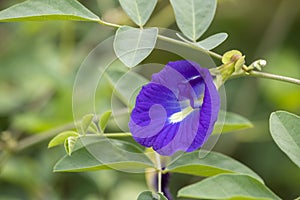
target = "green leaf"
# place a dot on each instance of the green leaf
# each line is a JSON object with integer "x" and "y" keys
{"x": 61, "y": 137}
{"x": 148, "y": 195}
{"x": 70, "y": 144}
{"x": 285, "y": 131}
{"x": 104, "y": 119}
{"x": 212, "y": 41}
{"x": 193, "y": 17}
{"x": 86, "y": 122}
{"x": 232, "y": 122}
{"x": 212, "y": 164}
{"x": 41, "y": 10}
{"x": 138, "y": 10}
{"x": 98, "y": 153}
{"x": 133, "y": 45}
{"x": 228, "y": 186}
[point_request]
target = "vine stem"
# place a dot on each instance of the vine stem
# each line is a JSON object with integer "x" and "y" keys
{"x": 274, "y": 77}
{"x": 258, "y": 74}
{"x": 217, "y": 56}
{"x": 159, "y": 172}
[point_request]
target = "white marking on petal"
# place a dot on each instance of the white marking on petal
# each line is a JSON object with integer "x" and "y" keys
{"x": 179, "y": 116}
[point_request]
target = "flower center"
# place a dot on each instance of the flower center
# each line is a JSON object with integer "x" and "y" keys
{"x": 179, "y": 116}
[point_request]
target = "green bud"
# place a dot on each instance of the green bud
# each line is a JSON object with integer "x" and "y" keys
{"x": 231, "y": 56}
{"x": 233, "y": 62}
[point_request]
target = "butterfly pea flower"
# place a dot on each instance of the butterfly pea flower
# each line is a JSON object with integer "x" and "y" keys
{"x": 176, "y": 110}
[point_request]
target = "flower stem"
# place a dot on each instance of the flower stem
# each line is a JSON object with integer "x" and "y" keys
{"x": 159, "y": 173}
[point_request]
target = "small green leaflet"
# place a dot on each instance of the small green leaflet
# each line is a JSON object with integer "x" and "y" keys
{"x": 212, "y": 41}
{"x": 104, "y": 120}
{"x": 133, "y": 45}
{"x": 43, "y": 10}
{"x": 86, "y": 122}
{"x": 209, "y": 43}
{"x": 138, "y": 10}
{"x": 193, "y": 17}
{"x": 285, "y": 131}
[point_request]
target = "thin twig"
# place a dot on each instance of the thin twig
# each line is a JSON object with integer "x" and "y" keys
{"x": 268, "y": 76}
{"x": 274, "y": 77}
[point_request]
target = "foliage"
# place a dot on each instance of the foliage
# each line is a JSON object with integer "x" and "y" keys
{"x": 95, "y": 142}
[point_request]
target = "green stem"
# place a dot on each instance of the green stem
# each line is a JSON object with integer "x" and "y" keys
{"x": 110, "y": 135}
{"x": 113, "y": 135}
{"x": 274, "y": 77}
{"x": 159, "y": 172}
{"x": 109, "y": 24}
{"x": 258, "y": 74}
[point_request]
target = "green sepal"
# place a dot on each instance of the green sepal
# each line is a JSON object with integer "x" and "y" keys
{"x": 69, "y": 144}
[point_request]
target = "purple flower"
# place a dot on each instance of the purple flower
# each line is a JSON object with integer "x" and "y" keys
{"x": 177, "y": 110}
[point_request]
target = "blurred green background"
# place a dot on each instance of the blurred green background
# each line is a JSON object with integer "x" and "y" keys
{"x": 38, "y": 65}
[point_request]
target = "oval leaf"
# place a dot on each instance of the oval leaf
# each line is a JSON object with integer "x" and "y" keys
{"x": 138, "y": 10}
{"x": 228, "y": 186}
{"x": 133, "y": 45}
{"x": 61, "y": 137}
{"x": 212, "y": 164}
{"x": 97, "y": 153}
{"x": 212, "y": 41}
{"x": 193, "y": 17}
{"x": 41, "y": 10}
{"x": 233, "y": 122}
{"x": 285, "y": 131}
{"x": 148, "y": 195}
